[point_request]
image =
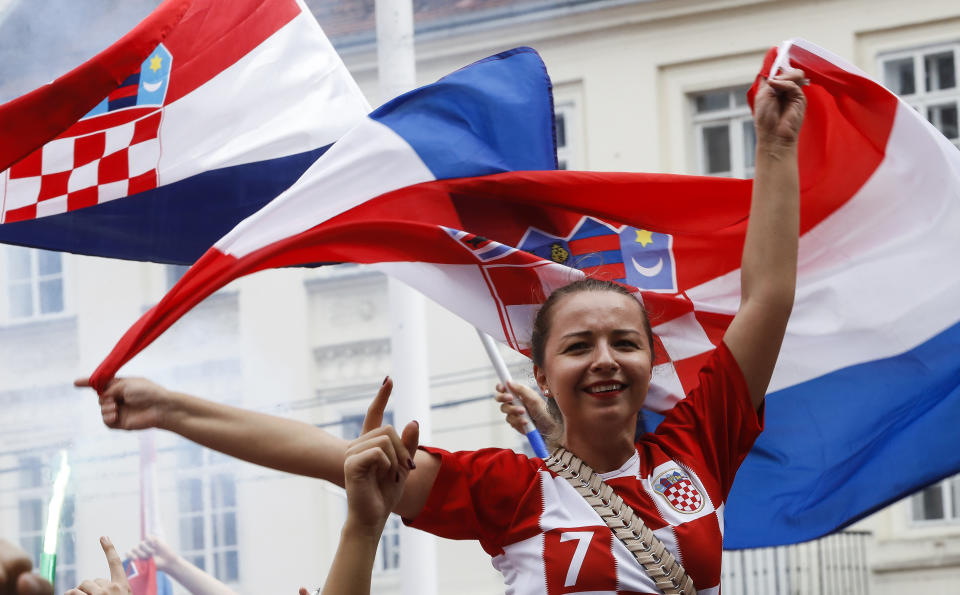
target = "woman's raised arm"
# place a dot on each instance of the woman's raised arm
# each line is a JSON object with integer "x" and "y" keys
{"x": 769, "y": 264}
{"x": 267, "y": 440}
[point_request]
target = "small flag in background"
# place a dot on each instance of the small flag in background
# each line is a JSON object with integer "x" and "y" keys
{"x": 145, "y": 579}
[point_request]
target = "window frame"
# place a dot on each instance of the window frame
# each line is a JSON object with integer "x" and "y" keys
{"x": 950, "y": 504}
{"x": 34, "y": 280}
{"x": 734, "y": 117}
{"x": 210, "y": 467}
{"x": 921, "y": 99}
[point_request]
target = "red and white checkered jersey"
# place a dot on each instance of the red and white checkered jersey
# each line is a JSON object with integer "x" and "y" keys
{"x": 545, "y": 538}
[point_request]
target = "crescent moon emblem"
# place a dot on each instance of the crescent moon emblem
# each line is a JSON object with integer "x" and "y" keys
{"x": 648, "y": 271}
{"x": 152, "y": 87}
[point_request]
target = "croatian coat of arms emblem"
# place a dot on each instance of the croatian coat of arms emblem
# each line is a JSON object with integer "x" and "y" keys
{"x": 677, "y": 489}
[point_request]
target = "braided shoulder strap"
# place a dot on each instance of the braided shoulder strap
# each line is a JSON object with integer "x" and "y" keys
{"x": 657, "y": 561}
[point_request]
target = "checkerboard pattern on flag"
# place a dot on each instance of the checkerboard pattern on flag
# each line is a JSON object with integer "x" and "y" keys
{"x": 75, "y": 172}
{"x": 864, "y": 383}
{"x": 177, "y": 121}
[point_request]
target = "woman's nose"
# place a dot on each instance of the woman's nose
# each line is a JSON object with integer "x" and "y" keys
{"x": 604, "y": 358}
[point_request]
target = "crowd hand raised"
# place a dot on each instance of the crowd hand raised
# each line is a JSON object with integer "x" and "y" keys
{"x": 533, "y": 404}
{"x": 778, "y": 108}
{"x": 116, "y": 585}
{"x": 130, "y": 403}
{"x": 15, "y": 575}
{"x": 377, "y": 464}
{"x": 163, "y": 556}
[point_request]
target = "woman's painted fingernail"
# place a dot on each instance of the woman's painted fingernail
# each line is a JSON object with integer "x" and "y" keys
{"x": 397, "y": 479}
{"x": 385, "y": 378}
{"x": 411, "y": 464}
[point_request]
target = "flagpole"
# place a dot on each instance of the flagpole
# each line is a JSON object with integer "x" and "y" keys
{"x": 533, "y": 435}
{"x": 396, "y": 66}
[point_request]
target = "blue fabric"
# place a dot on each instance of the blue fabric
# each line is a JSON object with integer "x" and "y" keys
{"x": 173, "y": 224}
{"x": 893, "y": 423}
{"x": 493, "y": 116}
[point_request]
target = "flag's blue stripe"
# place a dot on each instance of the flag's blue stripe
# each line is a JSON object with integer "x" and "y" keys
{"x": 175, "y": 223}
{"x": 493, "y": 116}
{"x": 844, "y": 445}
{"x": 495, "y": 252}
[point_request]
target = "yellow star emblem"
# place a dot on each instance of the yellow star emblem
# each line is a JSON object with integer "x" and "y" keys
{"x": 644, "y": 237}
{"x": 155, "y": 63}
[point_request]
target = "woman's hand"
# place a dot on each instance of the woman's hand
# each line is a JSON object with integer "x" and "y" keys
{"x": 156, "y": 548}
{"x": 116, "y": 585}
{"x": 131, "y": 403}
{"x": 533, "y": 404}
{"x": 778, "y": 109}
{"x": 376, "y": 466}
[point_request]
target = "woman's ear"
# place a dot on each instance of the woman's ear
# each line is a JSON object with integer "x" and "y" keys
{"x": 541, "y": 377}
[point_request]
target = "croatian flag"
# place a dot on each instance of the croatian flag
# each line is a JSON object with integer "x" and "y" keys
{"x": 145, "y": 579}
{"x": 161, "y": 144}
{"x": 868, "y": 374}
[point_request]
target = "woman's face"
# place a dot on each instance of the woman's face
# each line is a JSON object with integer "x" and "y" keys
{"x": 596, "y": 360}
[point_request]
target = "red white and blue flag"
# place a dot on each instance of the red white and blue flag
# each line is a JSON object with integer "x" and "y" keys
{"x": 145, "y": 579}
{"x": 868, "y": 374}
{"x": 170, "y": 137}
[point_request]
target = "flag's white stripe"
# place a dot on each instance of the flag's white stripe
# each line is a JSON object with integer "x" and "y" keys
{"x": 251, "y": 121}
{"x": 450, "y": 285}
{"x": 683, "y": 337}
{"x": 368, "y": 161}
{"x": 877, "y": 277}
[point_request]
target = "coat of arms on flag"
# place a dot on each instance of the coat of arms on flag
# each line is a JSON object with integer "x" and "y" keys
{"x": 110, "y": 153}
{"x": 676, "y": 487}
{"x": 637, "y": 257}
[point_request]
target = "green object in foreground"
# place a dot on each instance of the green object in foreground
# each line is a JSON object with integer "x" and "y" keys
{"x": 48, "y": 559}
{"x": 48, "y": 566}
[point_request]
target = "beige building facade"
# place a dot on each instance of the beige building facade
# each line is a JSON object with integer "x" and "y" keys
{"x": 639, "y": 86}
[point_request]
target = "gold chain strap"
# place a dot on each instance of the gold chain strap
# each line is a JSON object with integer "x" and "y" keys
{"x": 627, "y": 526}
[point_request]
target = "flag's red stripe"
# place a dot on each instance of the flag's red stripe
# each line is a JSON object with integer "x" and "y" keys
{"x": 606, "y": 272}
{"x": 602, "y": 243}
{"x": 128, "y": 91}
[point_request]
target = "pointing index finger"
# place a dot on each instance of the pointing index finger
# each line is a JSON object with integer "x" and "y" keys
{"x": 374, "y": 417}
{"x": 117, "y": 573}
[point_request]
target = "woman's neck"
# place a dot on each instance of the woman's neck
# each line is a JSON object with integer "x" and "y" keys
{"x": 607, "y": 454}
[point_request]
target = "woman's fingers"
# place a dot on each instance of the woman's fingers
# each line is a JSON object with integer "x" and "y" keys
{"x": 374, "y": 417}
{"x": 117, "y": 574}
{"x": 382, "y": 443}
{"x": 410, "y": 438}
{"x": 374, "y": 459}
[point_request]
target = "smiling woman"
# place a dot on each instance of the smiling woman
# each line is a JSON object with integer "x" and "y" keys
{"x": 550, "y": 524}
{"x": 610, "y": 319}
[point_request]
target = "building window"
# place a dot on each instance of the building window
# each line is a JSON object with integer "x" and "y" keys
{"x": 388, "y": 553}
{"x": 207, "y": 502}
{"x": 725, "y": 138}
{"x": 34, "y": 283}
{"x": 926, "y": 78}
{"x": 565, "y": 128}
{"x": 939, "y": 502}
{"x": 35, "y": 489}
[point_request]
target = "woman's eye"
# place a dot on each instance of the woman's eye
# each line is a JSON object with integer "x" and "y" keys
{"x": 628, "y": 343}
{"x": 578, "y": 346}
